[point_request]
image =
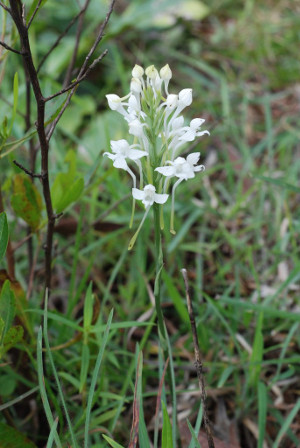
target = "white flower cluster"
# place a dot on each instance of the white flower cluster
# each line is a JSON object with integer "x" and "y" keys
{"x": 154, "y": 120}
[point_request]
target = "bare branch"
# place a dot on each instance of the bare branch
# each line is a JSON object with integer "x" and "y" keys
{"x": 78, "y": 81}
{"x": 7, "y": 47}
{"x": 68, "y": 75}
{"x": 98, "y": 38}
{"x": 5, "y": 7}
{"x": 55, "y": 44}
{"x": 198, "y": 362}
{"x": 30, "y": 173}
{"x": 34, "y": 13}
{"x": 17, "y": 16}
{"x": 84, "y": 67}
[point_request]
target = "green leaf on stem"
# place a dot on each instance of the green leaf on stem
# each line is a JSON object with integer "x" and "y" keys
{"x": 7, "y": 308}
{"x": 26, "y": 201}
{"x": 67, "y": 187}
{"x": 11, "y": 338}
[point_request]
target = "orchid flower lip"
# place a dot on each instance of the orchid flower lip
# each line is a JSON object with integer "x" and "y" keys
{"x": 148, "y": 195}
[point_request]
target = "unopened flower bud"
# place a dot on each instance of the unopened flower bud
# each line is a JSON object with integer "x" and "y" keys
{"x": 151, "y": 72}
{"x": 114, "y": 101}
{"x": 137, "y": 71}
{"x": 165, "y": 73}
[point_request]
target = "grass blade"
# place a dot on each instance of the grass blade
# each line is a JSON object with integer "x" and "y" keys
{"x": 167, "y": 439}
{"x": 61, "y": 395}
{"x": 262, "y": 413}
{"x": 94, "y": 381}
{"x": 194, "y": 442}
{"x": 112, "y": 442}
{"x": 42, "y": 387}
{"x": 52, "y": 434}
{"x": 286, "y": 424}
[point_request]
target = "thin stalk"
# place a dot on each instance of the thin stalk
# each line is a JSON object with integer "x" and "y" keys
{"x": 162, "y": 331}
{"x": 157, "y": 284}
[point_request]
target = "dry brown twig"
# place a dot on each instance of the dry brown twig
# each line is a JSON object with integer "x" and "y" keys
{"x": 198, "y": 362}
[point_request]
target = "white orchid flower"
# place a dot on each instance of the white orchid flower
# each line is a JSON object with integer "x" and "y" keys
{"x": 193, "y": 131}
{"x": 148, "y": 196}
{"x": 183, "y": 169}
{"x": 121, "y": 150}
{"x": 116, "y": 103}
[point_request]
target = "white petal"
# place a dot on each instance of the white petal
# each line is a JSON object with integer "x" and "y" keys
{"x": 114, "y": 101}
{"x": 185, "y": 171}
{"x": 135, "y": 85}
{"x": 120, "y": 162}
{"x": 135, "y": 154}
{"x": 110, "y": 155}
{"x": 138, "y": 194}
{"x": 119, "y": 146}
{"x": 151, "y": 72}
{"x": 160, "y": 198}
{"x": 172, "y": 101}
{"x": 165, "y": 73}
{"x": 189, "y": 136}
{"x": 166, "y": 170}
{"x": 196, "y": 123}
{"x": 133, "y": 104}
{"x": 178, "y": 122}
{"x": 186, "y": 97}
{"x": 202, "y": 133}
{"x": 136, "y": 128}
{"x": 178, "y": 161}
{"x": 193, "y": 158}
{"x": 199, "y": 168}
{"x": 137, "y": 71}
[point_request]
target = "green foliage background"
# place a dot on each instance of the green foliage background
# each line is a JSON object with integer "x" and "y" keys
{"x": 237, "y": 225}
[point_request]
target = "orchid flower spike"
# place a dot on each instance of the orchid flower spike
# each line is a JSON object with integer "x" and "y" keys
{"x": 156, "y": 126}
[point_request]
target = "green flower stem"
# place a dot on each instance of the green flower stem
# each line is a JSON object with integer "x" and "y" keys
{"x": 157, "y": 284}
{"x": 162, "y": 331}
